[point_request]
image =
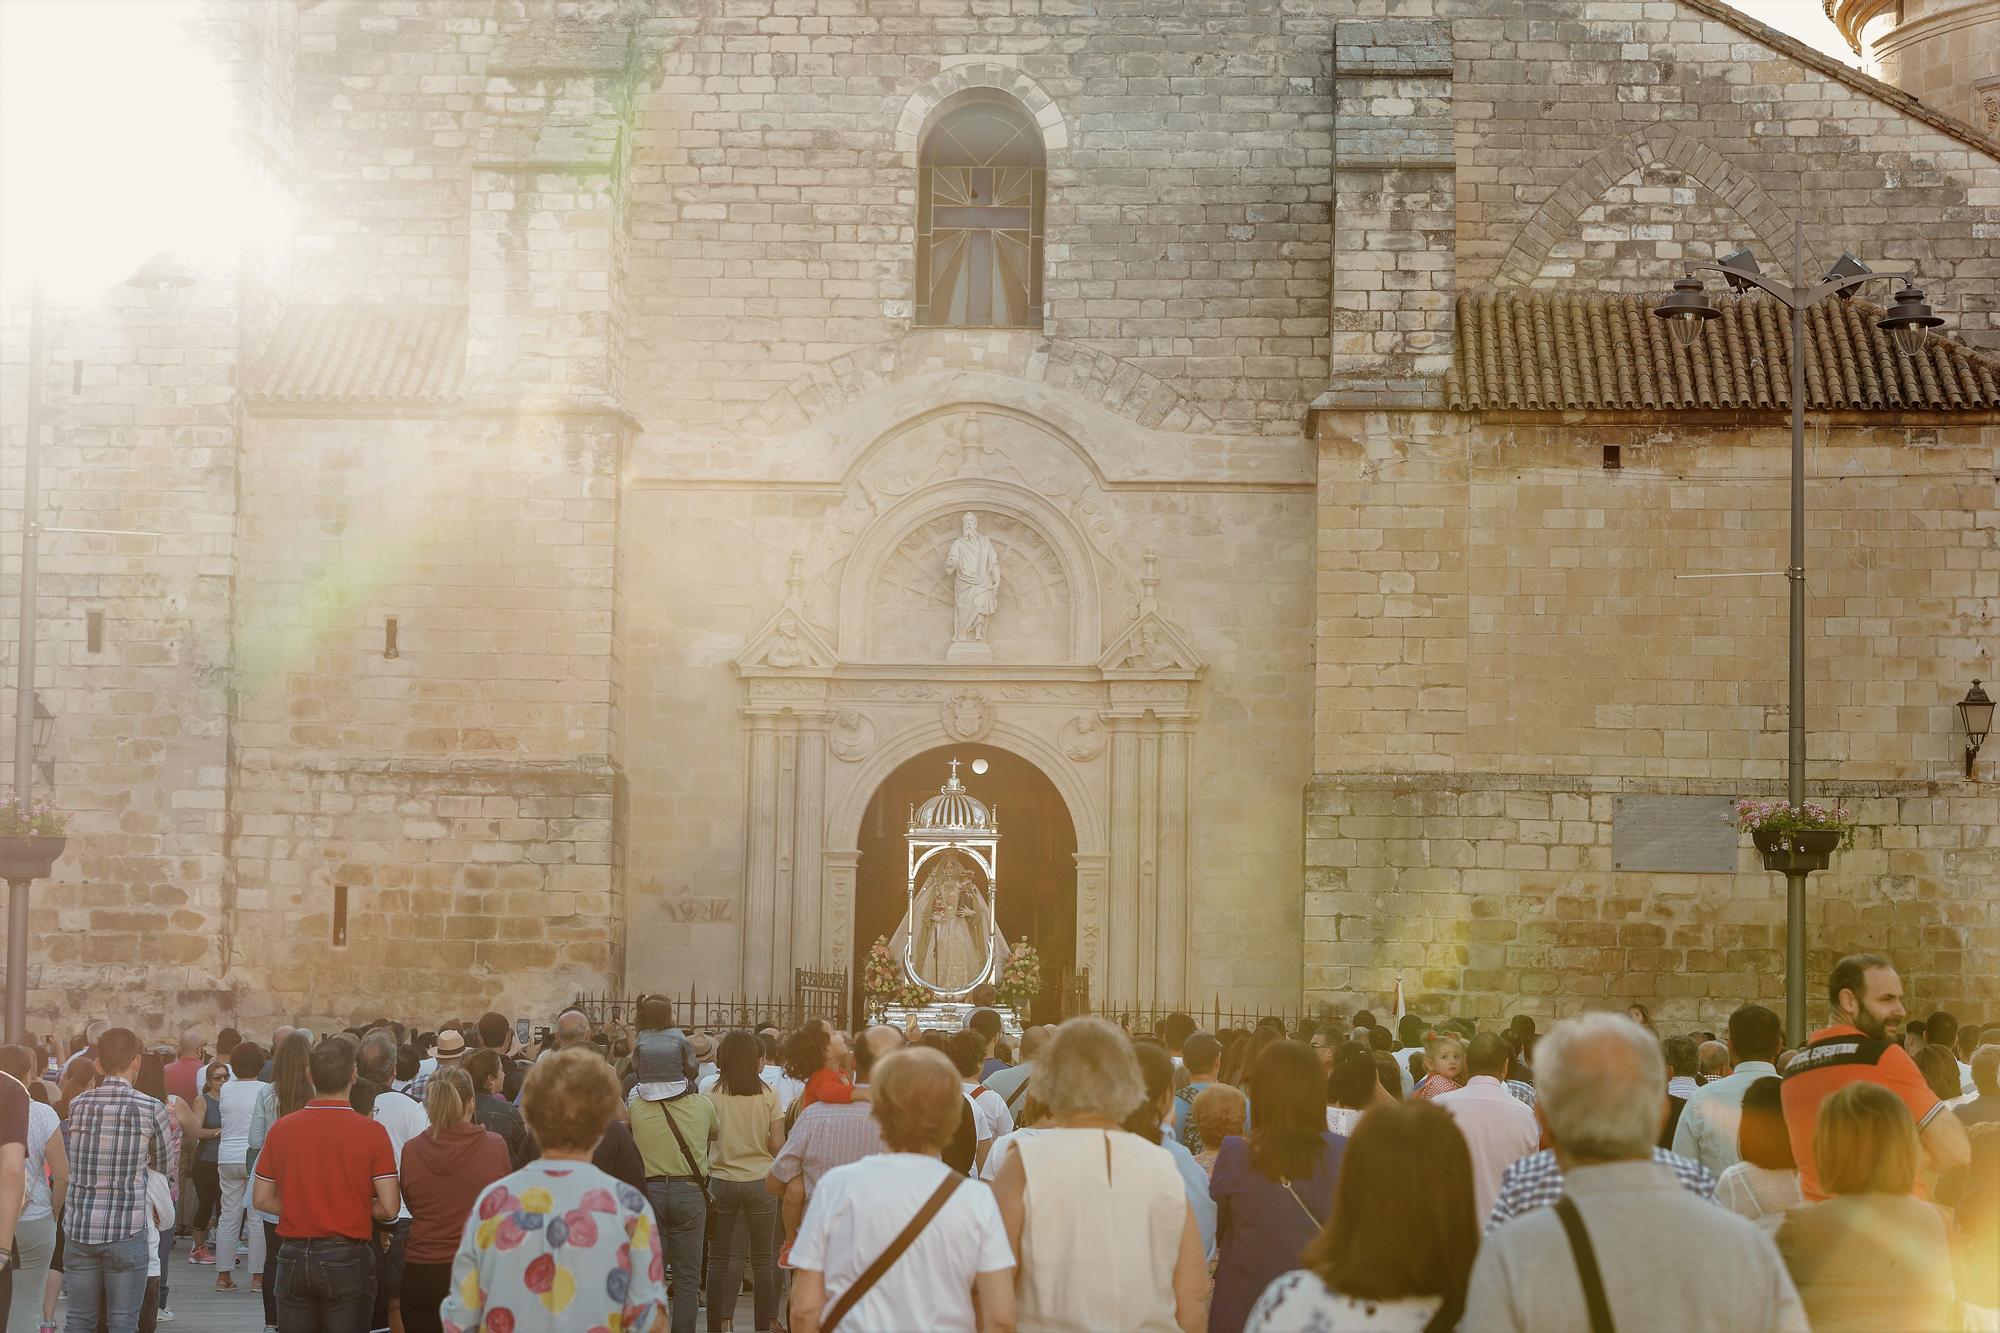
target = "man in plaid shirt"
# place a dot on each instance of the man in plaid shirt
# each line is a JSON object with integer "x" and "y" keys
{"x": 116, "y": 1134}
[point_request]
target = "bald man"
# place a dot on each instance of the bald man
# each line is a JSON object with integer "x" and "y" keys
{"x": 184, "y": 1074}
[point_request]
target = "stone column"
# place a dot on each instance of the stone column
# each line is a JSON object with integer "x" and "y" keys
{"x": 837, "y": 918}
{"x": 786, "y": 804}
{"x": 1119, "y": 982}
{"x": 760, "y": 878}
{"x": 808, "y": 925}
{"x": 1146, "y": 939}
{"x": 1092, "y": 876}
{"x": 1171, "y": 934}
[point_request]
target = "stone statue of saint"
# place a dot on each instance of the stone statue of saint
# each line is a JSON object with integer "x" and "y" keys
{"x": 973, "y": 564}
{"x": 788, "y": 647}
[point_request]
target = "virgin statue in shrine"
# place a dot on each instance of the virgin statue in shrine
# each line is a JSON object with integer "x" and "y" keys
{"x": 951, "y": 919}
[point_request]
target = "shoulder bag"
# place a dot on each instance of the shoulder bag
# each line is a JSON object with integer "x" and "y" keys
{"x": 1586, "y": 1266}
{"x": 687, "y": 1153}
{"x": 886, "y": 1260}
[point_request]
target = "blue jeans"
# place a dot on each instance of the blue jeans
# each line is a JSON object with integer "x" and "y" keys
{"x": 325, "y": 1286}
{"x": 105, "y": 1281}
{"x": 683, "y": 1216}
{"x": 749, "y": 1200}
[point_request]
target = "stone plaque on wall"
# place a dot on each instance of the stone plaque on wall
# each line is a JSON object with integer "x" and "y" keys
{"x": 1674, "y": 834}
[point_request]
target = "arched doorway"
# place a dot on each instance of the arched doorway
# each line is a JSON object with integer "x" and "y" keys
{"x": 1036, "y": 903}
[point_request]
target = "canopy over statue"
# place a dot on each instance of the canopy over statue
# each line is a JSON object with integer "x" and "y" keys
{"x": 948, "y": 938}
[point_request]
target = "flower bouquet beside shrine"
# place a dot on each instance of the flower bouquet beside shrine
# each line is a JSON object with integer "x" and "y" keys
{"x": 1795, "y": 839}
{"x": 884, "y": 982}
{"x": 1020, "y": 978}
{"x": 32, "y": 836}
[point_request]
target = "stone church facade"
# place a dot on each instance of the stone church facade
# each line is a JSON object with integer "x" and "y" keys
{"x": 551, "y": 589}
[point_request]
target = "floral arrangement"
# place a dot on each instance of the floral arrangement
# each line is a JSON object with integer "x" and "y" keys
{"x": 1020, "y": 977}
{"x": 881, "y": 976}
{"x": 1783, "y": 817}
{"x": 884, "y": 981}
{"x": 21, "y": 819}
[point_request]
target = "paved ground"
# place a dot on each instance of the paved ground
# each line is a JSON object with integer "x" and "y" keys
{"x": 199, "y": 1308}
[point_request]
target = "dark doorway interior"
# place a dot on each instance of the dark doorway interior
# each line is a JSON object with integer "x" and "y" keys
{"x": 1037, "y": 896}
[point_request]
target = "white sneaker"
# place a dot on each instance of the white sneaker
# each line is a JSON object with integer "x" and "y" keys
{"x": 164, "y": 1316}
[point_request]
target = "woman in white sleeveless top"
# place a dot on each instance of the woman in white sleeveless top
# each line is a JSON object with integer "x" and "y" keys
{"x": 1098, "y": 1218}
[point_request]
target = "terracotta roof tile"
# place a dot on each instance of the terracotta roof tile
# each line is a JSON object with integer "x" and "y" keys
{"x": 1545, "y": 350}
{"x": 323, "y": 354}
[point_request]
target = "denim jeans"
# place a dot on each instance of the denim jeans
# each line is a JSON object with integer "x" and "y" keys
{"x": 270, "y": 1292}
{"x": 107, "y": 1280}
{"x": 683, "y": 1216}
{"x": 749, "y": 1200}
{"x": 325, "y": 1286}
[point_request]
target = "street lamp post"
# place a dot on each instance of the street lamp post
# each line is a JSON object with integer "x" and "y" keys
{"x": 1686, "y": 310}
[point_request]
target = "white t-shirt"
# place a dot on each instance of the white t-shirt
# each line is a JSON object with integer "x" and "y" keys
{"x": 404, "y": 1120}
{"x": 990, "y": 1116}
{"x": 42, "y": 1125}
{"x": 775, "y": 1078}
{"x": 860, "y": 1208}
{"x": 996, "y": 1156}
{"x": 239, "y": 1102}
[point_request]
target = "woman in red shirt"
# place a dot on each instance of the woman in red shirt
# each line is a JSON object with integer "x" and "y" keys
{"x": 443, "y": 1174}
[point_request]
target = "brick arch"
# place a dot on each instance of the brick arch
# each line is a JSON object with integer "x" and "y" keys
{"x": 1557, "y": 218}
{"x": 955, "y": 79}
{"x": 1116, "y": 384}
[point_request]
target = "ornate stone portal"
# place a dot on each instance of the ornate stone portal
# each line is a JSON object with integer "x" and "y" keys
{"x": 964, "y": 601}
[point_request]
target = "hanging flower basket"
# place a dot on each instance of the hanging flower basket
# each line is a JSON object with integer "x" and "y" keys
{"x": 1795, "y": 840}
{"x": 1799, "y": 852}
{"x": 29, "y": 858}
{"x": 31, "y": 837}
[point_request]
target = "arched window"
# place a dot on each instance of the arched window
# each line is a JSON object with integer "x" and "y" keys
{"x": 981, "y": 176}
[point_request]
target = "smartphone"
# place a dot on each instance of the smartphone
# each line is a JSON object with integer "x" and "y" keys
{"x": 523, "y": 1031}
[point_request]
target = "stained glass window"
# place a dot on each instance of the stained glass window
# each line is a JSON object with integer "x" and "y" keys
{"x": 980, "y": 180}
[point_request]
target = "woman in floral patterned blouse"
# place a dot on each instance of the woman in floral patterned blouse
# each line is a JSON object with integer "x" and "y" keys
{"x": 559, "y": 1245}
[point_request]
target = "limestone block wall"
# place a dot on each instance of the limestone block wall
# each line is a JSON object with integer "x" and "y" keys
{"x": 1499, "y": 613}
{"x": 463, "y": 785}
{"x": 774, "y": 194}
{"x": 139, "y": 437}
{"x": 1492, "y": 894}
{"x": 1607, "y": 143}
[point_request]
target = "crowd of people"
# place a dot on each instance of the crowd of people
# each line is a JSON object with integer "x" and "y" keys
{"x": 1351, "y": 1175}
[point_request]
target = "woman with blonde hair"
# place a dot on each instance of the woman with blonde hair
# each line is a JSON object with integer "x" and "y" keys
{"x": 559, "y": 1239}
{"x": 1873, "y": 1255}
{"x": 1098, "y": 1218}
{"x": 443, "y": 1172}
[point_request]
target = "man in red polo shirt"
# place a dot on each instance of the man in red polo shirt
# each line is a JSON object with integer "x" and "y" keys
{"x": 1863, "y": 1045}
{"x": 330, "y": 1176}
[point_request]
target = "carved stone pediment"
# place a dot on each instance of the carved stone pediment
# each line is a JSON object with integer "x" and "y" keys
{"x": 788, "y": 642}
{"x": 1150, "y": 646}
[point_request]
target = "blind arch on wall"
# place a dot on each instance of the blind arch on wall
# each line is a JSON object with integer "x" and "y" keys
{"x": 982, "y": 174}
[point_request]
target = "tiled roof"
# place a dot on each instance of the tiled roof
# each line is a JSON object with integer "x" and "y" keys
{"x": 1542, "y": 350}
{"x": 325, "y": 354}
